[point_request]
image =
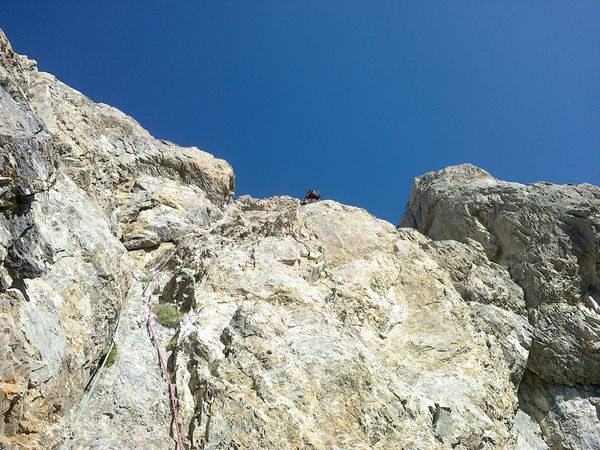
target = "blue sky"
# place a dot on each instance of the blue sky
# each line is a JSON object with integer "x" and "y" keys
{"x": 352, "y": 98}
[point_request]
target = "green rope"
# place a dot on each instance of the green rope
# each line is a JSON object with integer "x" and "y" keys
{"x": 88, "y": 396}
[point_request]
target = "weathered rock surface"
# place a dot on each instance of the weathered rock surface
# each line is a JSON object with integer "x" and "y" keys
{"x": 60, "y": 289}
{"x": 320, "y": 326}
{"x": 303, "y": 326}
{"x": 130, "y": 407}
{"x": 548, "y": 237}
{"x": 72, "y": 173}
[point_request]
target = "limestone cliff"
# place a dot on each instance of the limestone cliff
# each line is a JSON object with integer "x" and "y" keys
{"x": 80, "y": 185}
{"x": 548, "y": 238}
{"x": 294, "y": 326}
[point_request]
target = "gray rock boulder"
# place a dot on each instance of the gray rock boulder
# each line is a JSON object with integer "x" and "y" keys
{"x": 548, "y": 238}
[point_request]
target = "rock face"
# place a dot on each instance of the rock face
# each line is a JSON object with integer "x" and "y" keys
{"x": 286, "y": 325}
{"x": 548, "y": 237}
{"x": 320, "y": 326}
{"x": 80, "y": 184}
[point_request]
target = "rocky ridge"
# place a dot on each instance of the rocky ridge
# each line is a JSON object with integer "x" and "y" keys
{"x": 548, "y": 238}
{"x": 81, "y": 184}
{"x": 315, "y": 326}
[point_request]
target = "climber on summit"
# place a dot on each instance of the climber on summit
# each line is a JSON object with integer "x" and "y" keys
{"x": 312, "y": 196}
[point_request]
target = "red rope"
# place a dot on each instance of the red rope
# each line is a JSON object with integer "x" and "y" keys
{"x": 161, "y": 357}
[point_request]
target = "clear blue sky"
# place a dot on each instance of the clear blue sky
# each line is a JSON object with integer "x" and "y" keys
{"x": 352, "y": 98}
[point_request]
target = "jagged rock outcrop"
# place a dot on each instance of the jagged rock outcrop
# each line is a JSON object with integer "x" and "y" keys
{"x": 320, "y": 326}
{"x": 60, "y": 289}
{"x": 548, "y": 237}
{"x": 301, "y": 326}
{"x": 80, "y": 184}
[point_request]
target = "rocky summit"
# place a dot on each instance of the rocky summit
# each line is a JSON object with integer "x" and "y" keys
{"x": 475, "y": 324}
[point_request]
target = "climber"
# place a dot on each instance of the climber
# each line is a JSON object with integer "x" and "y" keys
{"x": 312, "y": 196}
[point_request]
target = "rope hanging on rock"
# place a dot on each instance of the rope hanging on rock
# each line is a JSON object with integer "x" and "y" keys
{"x": 150, "y": 291}
{"x": 88, "y": 396}
{"x": 173, "y": 401}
